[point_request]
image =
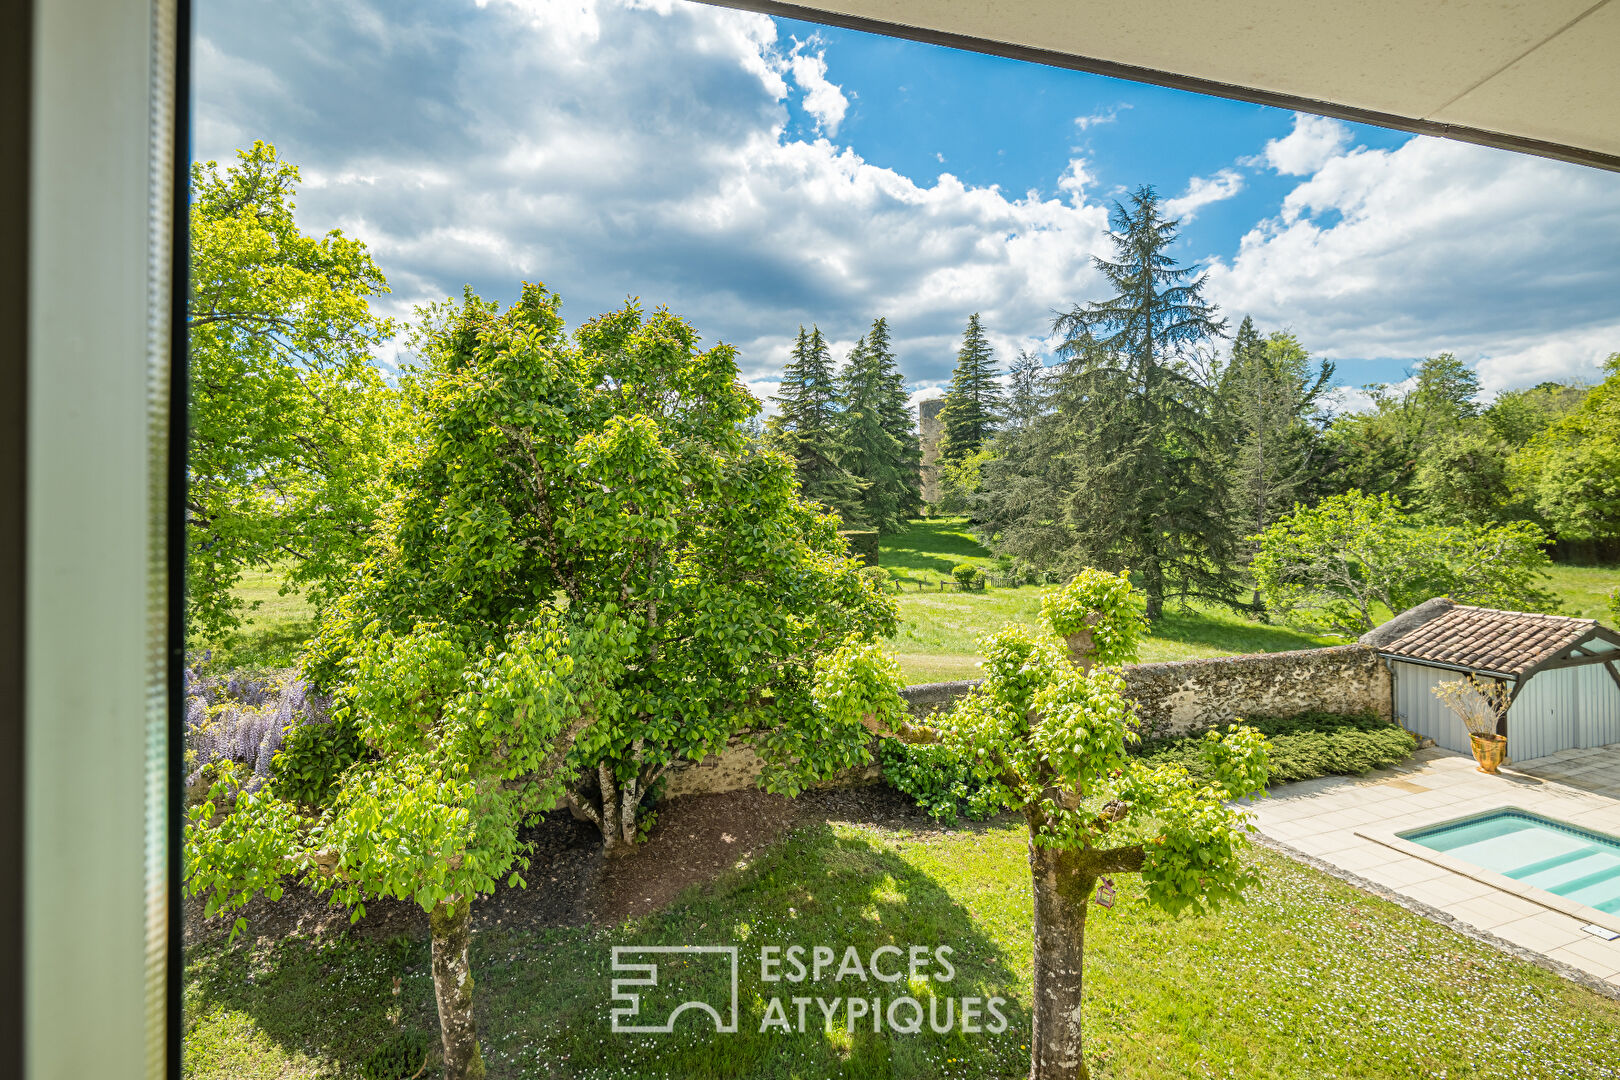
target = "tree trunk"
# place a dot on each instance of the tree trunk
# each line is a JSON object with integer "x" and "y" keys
{"x": 453, "y": 987}
{"x": 1062, "y": 892}
{"x": 614, "y": 811}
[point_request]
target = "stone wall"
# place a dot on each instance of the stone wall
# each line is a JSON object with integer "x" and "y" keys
{"x": 1174, "y": 699}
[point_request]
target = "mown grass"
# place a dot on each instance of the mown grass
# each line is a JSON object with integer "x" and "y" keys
{"x": 1308, "y": 978}
{"x": 938, "y": 637}
{"x": 1584, "y": 590}
{"x": 273, "y": 632}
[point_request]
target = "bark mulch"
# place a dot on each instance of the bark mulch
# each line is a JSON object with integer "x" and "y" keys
{"x": 695, "y": 839}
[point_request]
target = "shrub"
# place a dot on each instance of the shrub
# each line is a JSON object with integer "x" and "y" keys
{"x": 937, "y": 778}
{"x": 1303, "y": 747}
{"x": 880, "y": 579}
{"x": 968, "y": 576}
{"x": 863, "y": 544}
{"x": 244, "y": 717}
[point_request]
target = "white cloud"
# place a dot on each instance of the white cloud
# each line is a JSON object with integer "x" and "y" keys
{"x": 1075, "y": 179}
{"x": 1201, "y": 191}
{"x": 1314, "y": 140}
{"x": 822, "y": 99}
{"x": 1433, "y": 246}
{"x": 648, "y": 157}
{"x": 1101, "y": 116}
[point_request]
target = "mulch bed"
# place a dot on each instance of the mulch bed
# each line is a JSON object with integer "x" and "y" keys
{"x": 570, "y": 883}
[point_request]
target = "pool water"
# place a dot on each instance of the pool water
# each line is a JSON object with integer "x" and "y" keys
{"x": 1583, "y": 866}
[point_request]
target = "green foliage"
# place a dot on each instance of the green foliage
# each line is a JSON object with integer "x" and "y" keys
{"x": 807, "y": 426}
{"x": 1571, "y": 469}
{"x": 1463, "y": 478}
{"x": 938, "y": 780}
{"x": 878, "y": 443}
{"x": 863, "y": 544}
{"x": 1130, "y": 470}
{"x": 973, "y": 401}
{"x": 1337, "y": 563}
{"x": 879, "y": 579}
{"x": 402, "y": 1057}
{"x": 1303, "y": 747}
{"x": 1104, "y": 608}
{"x": 966, "y": 574}
{"x": 1048, "y": 738}
{"x": 289, "y": 419}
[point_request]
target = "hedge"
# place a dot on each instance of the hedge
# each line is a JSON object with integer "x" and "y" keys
{"x": 863, "y": 544}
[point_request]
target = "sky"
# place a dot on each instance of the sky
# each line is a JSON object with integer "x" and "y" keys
{"x": 754, "y": 174}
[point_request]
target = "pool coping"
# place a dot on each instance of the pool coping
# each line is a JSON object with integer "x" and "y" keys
{"x": 1390, "y": 838}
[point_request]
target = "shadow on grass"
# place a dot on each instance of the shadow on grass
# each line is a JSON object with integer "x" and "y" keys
{"x": 273, "y": 645}
{"x": 1230, "y": 633}
{"x": 935, "y": 545}
{"x": 544, "y": 996}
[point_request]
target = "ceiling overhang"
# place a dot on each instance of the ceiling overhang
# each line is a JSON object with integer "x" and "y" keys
{"x": 1535, "y": 76}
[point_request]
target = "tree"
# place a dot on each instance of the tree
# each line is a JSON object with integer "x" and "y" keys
{"x": 973, "y": 401}
{"x": 1464, "y": 478}
{"x": 1022, "y": 478}
{"x": 870, "y": 451}
{"x": 586, "y": 574}
{"x": 1045, "y": 733}
{"x": 289, "y": 418}
{"x": 1336, "y": 564}
{"x": 1271, "y": 397}
{"x": 612, "y": 470}
{"x": 899, "y": 419}
{"x": 1571, "y": 470}
{"x": 806, "y": 428}
{"x": 1148, "y": 490}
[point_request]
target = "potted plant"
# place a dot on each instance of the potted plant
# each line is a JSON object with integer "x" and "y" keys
{"x": 1480, "y": 706}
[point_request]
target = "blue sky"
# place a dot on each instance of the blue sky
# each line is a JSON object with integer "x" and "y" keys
{"x": 753, "y": 174}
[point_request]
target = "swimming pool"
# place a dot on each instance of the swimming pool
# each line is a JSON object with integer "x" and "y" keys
{"x": 1575, "y": 863}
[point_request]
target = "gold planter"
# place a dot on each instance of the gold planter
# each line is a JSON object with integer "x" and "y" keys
{"x": 1489, "y": 750}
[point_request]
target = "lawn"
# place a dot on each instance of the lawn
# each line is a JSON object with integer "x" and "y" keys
{"x": 937, "y": 638}
{"x": 1308, "y": 978}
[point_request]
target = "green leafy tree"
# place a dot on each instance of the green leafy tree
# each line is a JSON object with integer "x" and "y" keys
{"x": 1517, "y": 416}
{"x": 289, "y": 418}
{"x": 973, "y": 401}
{"x": 587, "y": 574}
{"x": 870, "y": 450}
{"x": 612, "y": 470}
{"x": 463, "y": 745}
{"x": 1464, "y": 478}
{"x": 1145, "y": 446}
{"x": 1571, "y": 470}
{"x": 1381, "y": 448}
{"x": 1343, "y": 562}
{"x": 1014, "y": 506}
{"x": 1045, "y": 734}
{"x": 807, "y": 428}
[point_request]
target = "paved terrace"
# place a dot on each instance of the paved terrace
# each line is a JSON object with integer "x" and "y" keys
{"x": 1349, "y": 823}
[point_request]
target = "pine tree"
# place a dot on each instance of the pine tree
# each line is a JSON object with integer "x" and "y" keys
{"x": 1149, "y": 489}
{"x": 806, "y": 428}
{"x": 973, "y": 402}
{"x": 898, "y": 417}
{"x": 869, "y": 452}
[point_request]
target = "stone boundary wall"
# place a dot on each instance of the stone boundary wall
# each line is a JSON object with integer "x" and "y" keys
{"x": 1175, "y": 698}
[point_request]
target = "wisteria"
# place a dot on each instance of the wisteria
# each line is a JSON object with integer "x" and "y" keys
{"x": 244, "y": 718}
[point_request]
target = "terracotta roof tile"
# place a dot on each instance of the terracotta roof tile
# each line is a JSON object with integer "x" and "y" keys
{"x": 1484, "y": 639}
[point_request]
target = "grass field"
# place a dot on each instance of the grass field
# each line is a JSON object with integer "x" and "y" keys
{"x": 937, "y": 637}
{"x": 1308, "y": 978}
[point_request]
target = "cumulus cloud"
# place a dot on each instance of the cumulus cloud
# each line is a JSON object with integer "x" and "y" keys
{"x": 613, "y": 149}
{"x": 1201, "y": 191}
{"x": 1506, "y": 260}
{"x": 1314, "y": 141}
{"x": 822, "y": 99}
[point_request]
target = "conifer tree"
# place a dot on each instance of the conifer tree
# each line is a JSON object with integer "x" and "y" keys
{"x": 867, "y": 449}
{"x": 898, "y": 417}
{"x": 973, "y": 403}
{"x": 1150, "y": 492}
{"x": 806, "y": 428}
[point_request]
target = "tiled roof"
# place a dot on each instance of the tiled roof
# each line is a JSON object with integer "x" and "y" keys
{"x": 1484, "y": 639}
